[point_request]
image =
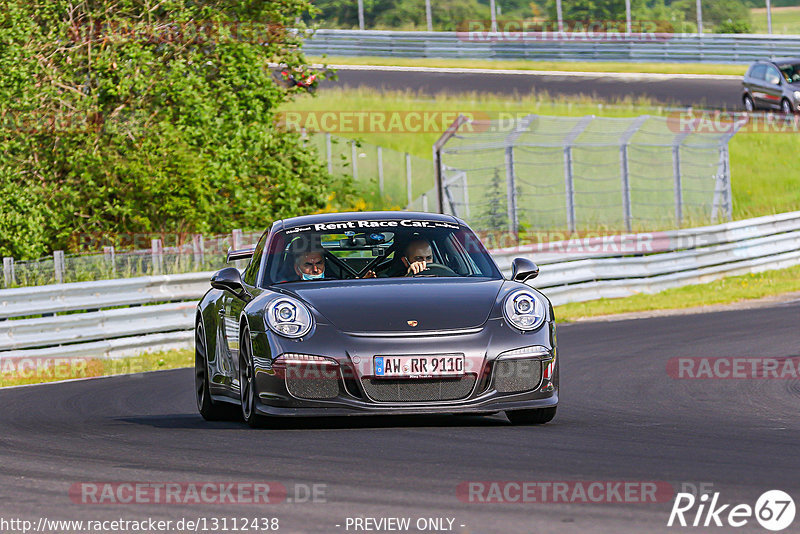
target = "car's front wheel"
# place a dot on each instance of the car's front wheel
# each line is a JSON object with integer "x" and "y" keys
{"x": 786, "y": 107}
{"x": 748, "y": 103}
{"x": 247, "y": 390}
{"x": 531, "y": 417}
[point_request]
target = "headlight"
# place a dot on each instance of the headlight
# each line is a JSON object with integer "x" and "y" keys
{"x": 524, "y": 310}
{"x": 797, "y": 95}
{"x": 288, "y": 317}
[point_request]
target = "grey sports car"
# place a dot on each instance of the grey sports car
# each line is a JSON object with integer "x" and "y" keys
{"x": 374, "y": 313}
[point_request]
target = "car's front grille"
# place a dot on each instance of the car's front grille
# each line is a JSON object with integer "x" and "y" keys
{"x": 514, "y": 376}
{"x": 418, "y": 389}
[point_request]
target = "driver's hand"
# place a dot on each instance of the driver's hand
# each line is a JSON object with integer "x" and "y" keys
{"x": 370, "y": 274}
{"x": 416, "y": 268}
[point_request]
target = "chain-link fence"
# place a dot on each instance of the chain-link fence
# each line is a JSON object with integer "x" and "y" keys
{"x": 392, "y": 179}
{"x": 189, "y": 253}
{"x": 540, "y": 172}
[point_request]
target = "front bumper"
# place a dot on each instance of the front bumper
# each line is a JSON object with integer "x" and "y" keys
{"x": 353, "y": 355}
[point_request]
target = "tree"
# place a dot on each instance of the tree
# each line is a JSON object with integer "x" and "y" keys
{"x": 136, "y": 116}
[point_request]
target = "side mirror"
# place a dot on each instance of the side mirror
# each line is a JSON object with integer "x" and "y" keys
{"x": 229, "y": 279}
{"x": 523, "y": 269}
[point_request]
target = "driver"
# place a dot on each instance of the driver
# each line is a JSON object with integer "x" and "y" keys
{"x": 418, "y": 255}
{"x": 310, "y": 265}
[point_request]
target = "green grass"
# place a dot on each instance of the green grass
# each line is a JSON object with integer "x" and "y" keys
{"x": 17, "y": 372}
{"x": 568, "y": 66}
{"x": 724, "y": 291}
{"x": 764, "y": 172}
{"x": 785, "y": 20}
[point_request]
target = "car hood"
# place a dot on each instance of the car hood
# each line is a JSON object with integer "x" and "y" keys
{"x": 381, "y": 305}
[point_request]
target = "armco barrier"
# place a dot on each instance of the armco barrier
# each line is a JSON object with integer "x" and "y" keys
{"x": 713, "y": 48}
{"x": 123, "y": 317}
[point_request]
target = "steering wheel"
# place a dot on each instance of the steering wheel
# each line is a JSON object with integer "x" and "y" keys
{"x": 435, "y": 269}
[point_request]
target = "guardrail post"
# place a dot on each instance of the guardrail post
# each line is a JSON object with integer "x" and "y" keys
{"x": 408, "y": 179}
{"x": 198, "y": 249}
{"x": 329, "y": 153}
{"x": 380, "y": 170}
{"x": 110, "y": 257}
{"x": 157, "y": 255}
{"x": 8, "y": 271}
{"x": 58, "y": 266}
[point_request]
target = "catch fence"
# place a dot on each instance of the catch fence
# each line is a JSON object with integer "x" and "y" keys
{"x": 576, "y": 173}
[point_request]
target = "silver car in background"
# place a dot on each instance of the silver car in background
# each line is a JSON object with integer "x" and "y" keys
{"x": 772, "y": 85}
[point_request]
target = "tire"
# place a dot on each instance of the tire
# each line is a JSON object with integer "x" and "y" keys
{"x": 786, "y": 107}
{"x": 531, "y": 417}
{"x": 247, "y": 394}
{"x": 749, "y": 105}
{"x": 210, "y": 410}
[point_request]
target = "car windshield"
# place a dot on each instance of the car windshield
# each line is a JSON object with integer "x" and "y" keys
{"x": 791, "y": 72}
{"x": 363, "y": 249}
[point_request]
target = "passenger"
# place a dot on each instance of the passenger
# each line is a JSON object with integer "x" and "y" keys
{"x": 310, "y": 265}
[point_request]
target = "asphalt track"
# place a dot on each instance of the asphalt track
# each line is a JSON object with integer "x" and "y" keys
{"x": 621, "y": 418}
{"x": 709, "y": 92}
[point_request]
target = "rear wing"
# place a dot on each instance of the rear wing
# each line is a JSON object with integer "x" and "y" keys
{"x": 240, "y": 254}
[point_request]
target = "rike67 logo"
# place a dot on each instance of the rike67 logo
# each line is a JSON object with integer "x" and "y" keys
{"x": 774, "y": 510}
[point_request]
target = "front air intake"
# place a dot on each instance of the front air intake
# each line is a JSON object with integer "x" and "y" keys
{"x": 517, "y": 375}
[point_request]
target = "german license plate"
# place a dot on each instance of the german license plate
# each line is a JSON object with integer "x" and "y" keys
{"x": 416, "y": 366}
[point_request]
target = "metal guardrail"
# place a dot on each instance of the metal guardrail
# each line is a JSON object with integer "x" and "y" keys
{"x": 715, "y": 48}
{"x": 572, "y": 271}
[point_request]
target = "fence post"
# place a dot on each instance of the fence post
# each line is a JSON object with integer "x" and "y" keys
{"x": 626, "y": 183}
{"x": 198, "y": 249}
{"x": 236, "y": 239}
{"x": 728, "y": 186}
{"x": 408, "y": 179}
{"x": 569, "y": 182}
{"x": 110, "y": 256}
{"x": 511, "y": 177}
{"x": 626, "y": 186}
{"x": 380, "y": 170}
{"x": 157, "y": 255}
{"x": 237, "y": 244}
{"x": 425, "y": 202}
{"x": 8, "y": 271}
{"x": 329, "y": 153}
{"x": 58, "y": 266}
{"x": 569, "y": 188}
{"x": 511, "y": 192}
{"x": 676, "y": 174}
{"x": 353, "y": 158}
